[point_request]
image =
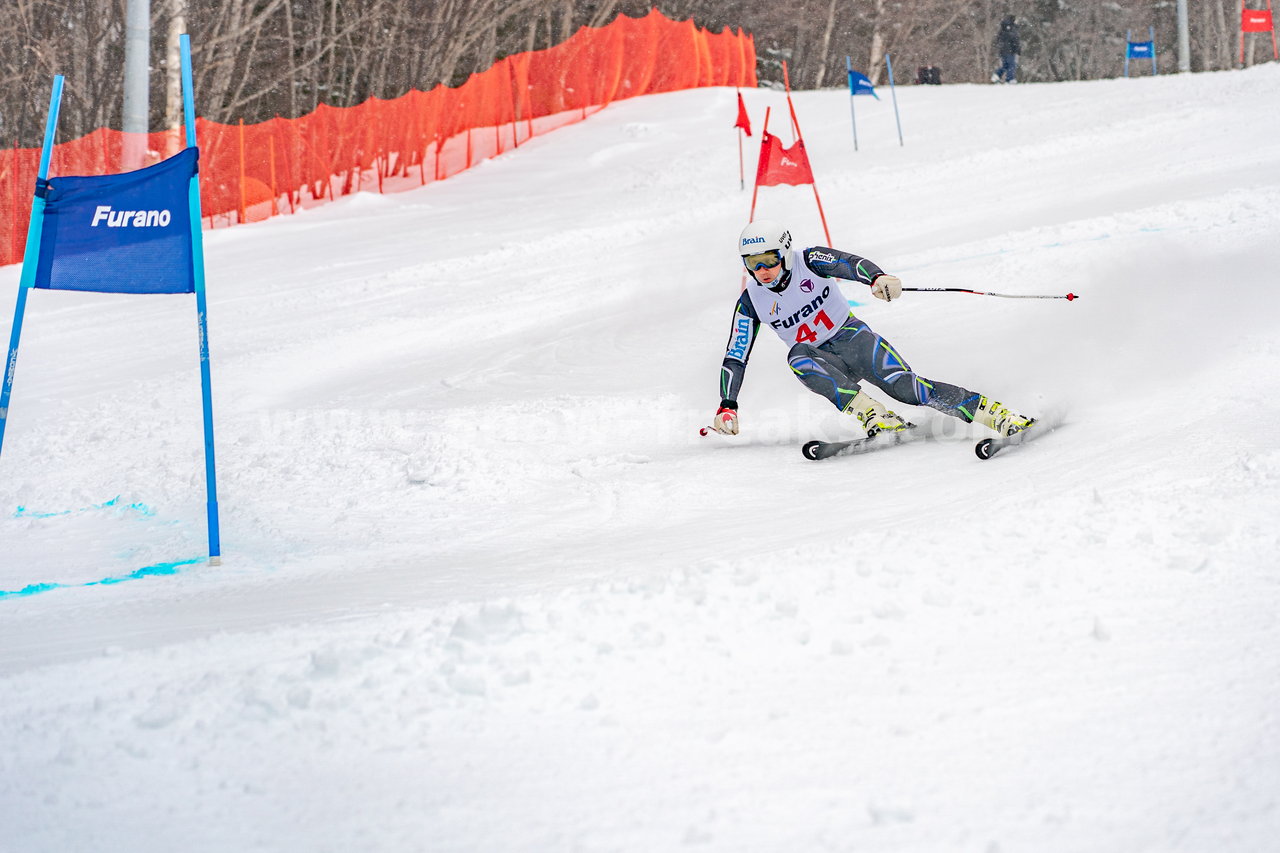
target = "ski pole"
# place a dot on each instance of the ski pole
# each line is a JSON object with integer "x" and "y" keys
{"x": 1068, "y": 297}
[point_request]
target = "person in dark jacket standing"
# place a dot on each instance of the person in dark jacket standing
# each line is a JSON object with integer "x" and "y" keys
{"x": 1008, "y": 46}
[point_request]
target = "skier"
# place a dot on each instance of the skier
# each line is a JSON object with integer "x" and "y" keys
{"x": 796, "y": 293}
{"x": 1008, "y": 46}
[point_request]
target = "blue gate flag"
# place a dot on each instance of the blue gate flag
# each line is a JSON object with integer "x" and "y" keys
{"x": 125, "y": 233}
{"x": 1140, "y": 49}
{"x": 137, "y": 232}
{"x": 859, "y": 84}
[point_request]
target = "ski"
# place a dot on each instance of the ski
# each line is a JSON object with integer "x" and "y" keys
{"x": 985, "y": 449}
{"x": 816, "y": 450}
{"x": 989, "y": 447}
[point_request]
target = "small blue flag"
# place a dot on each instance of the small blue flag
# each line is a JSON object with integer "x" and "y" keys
{"x": 1141, "y": 49}
{"x": 860, "y": 85}
{"x": 126, "y": 233}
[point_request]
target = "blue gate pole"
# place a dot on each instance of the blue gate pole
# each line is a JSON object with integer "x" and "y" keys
{"x": 848, "y": 67}
{"x": 197, "y": 261}
{"x": 1128, "y": 50}
{"x": 894, "y": 93}
{"x": 31, "y": 254}
{"x": 1152, "y": 33}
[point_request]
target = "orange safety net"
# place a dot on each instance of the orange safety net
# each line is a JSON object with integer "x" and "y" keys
{"x": 252, "y": 172}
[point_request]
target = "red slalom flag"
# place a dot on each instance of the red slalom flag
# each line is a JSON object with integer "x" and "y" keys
{"x": 743, "y": 121}
{"x": 779, "y": 165}
{"x": 1252, "y": 21}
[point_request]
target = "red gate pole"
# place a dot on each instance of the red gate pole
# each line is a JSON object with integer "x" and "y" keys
{"x": 795, "y": 126}
{"x": 786, "y": 82}
{"x": 764, "y": 133}
{"x": 821, "y": 214}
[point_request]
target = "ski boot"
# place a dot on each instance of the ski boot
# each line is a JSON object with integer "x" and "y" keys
{"x": 874, "y": 417}
{"x": 997, "y": 417}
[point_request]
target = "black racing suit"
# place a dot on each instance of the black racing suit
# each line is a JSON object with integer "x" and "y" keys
{"x": 855, "y": 354}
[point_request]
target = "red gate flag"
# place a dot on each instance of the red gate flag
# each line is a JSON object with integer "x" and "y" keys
{"x": 779, "y": 165}
{"x": 743, "y": 121}
{"x": 1256, "y": 21}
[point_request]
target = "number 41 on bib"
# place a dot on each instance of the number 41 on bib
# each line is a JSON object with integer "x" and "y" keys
{"x": 806, "y": 335}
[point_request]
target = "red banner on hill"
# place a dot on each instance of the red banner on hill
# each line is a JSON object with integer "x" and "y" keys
{"x": 779, "y": 165}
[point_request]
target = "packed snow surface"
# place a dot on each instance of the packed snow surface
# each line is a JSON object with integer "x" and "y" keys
{"x": 485, "y": 588}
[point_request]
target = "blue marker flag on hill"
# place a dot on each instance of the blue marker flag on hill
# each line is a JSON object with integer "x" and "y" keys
{"x": 860, "y": 85}
{"x": 126, "y": 233}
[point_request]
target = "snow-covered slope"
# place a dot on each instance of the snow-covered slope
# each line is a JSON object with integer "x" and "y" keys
{"x": 485, "y": 587}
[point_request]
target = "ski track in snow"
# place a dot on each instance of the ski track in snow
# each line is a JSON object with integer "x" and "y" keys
{"x": 485, "y": 587}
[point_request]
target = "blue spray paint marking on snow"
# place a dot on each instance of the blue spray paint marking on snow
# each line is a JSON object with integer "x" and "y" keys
{"x": 140, "y": 508}
{"x": 144, "y": 572}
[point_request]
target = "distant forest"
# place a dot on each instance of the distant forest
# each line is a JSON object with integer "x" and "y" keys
{"x": 256, "y": 59}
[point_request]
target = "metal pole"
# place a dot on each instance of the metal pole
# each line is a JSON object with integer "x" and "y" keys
{"x": 1068, "y": 296}
{"x": 764, "y": 133}
{"x": 1184, "y": 39}
{"x": 137, "y": 84}
{"x": 1241, "y": 65}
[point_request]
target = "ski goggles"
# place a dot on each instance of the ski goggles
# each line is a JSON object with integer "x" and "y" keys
{"x": 764, "y": 260}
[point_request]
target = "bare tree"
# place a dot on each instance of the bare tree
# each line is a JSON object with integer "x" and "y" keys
{"x": 1214, "y": 38}
{"x": 256, "y": 59}
{"x": 825, "y": 49}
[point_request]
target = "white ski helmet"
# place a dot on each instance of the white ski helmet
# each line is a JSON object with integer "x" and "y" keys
{"x": 761, "y": 239}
